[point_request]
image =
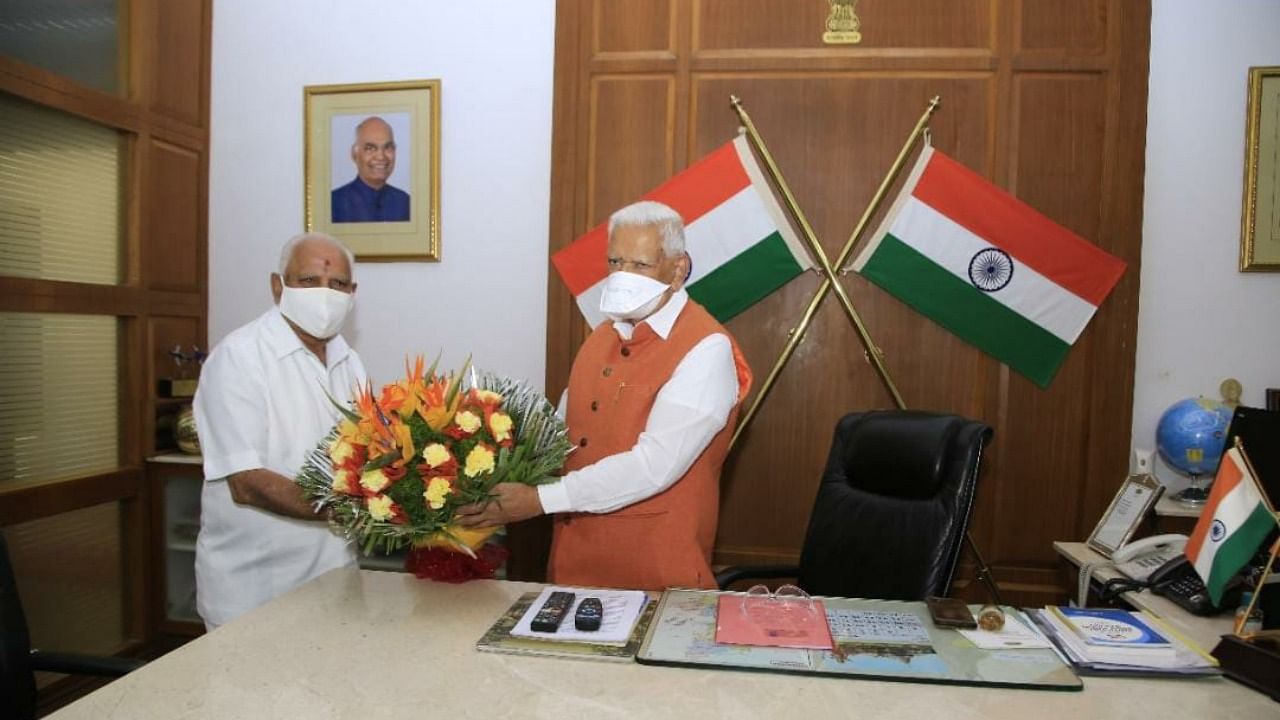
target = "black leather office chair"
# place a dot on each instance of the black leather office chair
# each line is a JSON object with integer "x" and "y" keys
{"x": 19, "y": 661}
{"x": 892, "y": 509}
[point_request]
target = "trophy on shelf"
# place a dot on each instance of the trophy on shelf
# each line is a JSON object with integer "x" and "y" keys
{"x": 186, "y": 373}
{"x": 184, "y": 386}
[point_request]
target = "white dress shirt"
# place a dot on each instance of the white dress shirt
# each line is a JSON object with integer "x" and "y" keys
{"x": 261, "y": 403}
{"x": 687, "y": 412}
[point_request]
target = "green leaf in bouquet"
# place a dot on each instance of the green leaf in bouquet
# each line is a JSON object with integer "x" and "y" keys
{"x": 346, "y": 411}
{"x": 455, "y": 384}
{"x": 380, "y": 462}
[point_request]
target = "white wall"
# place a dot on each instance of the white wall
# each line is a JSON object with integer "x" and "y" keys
{"x": 488, "y": 295}
{"x": 1200, "y": 320}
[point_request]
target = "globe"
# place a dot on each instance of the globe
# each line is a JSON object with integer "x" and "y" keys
{"x": 1191, "y": 434}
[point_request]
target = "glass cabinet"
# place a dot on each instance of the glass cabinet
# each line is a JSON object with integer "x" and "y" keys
{"x": 176, "y": 480}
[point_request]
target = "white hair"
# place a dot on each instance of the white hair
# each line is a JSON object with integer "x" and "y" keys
{"x": 291, "y": 246}
{"x": 648, "y": 213}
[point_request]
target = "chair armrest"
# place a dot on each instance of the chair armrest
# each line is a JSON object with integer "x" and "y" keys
{"x": 77, "y": 664}
{"x": 734, "y": 573}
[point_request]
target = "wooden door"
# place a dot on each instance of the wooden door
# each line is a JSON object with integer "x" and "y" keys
{"x": 1046, "y": 98}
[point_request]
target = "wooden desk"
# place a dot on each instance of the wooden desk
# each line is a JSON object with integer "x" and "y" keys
{"x": 363, "y": 644}
{"x": 1205, "y": 631}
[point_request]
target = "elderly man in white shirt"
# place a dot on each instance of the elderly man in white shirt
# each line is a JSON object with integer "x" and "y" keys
{"x": 260, "y": 408}
{"x": 651, "y": 404}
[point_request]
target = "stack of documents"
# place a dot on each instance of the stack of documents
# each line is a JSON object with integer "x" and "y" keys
{"x": 1113, "y": 640}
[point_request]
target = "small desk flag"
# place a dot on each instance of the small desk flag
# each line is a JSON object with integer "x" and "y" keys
{"x": 1232, "y": 525}
{"x": 988, "y": 267}
{"x": 736, "y": 234}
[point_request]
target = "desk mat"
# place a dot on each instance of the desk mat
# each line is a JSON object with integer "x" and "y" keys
{"x": 684, "y": 625}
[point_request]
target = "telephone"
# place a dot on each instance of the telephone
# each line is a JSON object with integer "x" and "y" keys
{"x": 1141, "y": 558}
{"x": 1137, "y": 561}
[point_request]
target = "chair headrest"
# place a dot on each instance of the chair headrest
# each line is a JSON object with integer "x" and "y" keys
{"x": 899, "y": 453}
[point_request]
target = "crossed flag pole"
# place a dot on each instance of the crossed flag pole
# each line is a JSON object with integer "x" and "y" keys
{"x": 831, "y": 282}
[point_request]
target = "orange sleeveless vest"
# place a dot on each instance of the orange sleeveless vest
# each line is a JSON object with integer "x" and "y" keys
{"x": 664, "y": 540}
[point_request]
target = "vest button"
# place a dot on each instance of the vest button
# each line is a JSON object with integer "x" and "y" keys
{"x": 626, "y": 352}
{"x": 582, "y": 442}
{"x": 594, "y": 406}
{"x": 607, "y": 371}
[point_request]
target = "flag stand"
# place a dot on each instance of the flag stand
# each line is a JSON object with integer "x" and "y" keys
{"x": 1275, "y": 547}
{"x": 830, "y": 281}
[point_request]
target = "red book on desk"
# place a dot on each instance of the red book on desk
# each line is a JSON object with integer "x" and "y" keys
{"x": 772, "y": 623}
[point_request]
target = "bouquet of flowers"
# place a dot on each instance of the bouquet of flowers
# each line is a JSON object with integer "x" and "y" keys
{"x": 397, "y": 466}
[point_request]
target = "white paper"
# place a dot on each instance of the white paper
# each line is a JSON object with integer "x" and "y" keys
{"x": 1014, "y": 634}
{"x": 621, "y": 611}
{"x": 877, "y": 626}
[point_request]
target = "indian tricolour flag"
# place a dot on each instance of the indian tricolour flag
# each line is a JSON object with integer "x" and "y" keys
{"x": 988, "y": 267}
{"x": 737, "y": 237}
{"x": 1232, "y": 525}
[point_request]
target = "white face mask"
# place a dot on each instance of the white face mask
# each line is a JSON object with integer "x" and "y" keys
{"x": 631, "y": 297}
{"x": 320, "y": 312}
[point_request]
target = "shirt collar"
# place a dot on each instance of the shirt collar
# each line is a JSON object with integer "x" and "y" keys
{"x": 367, "y": 190}
{"x": 284, "y": 341}
{"x": 660, "y": 322}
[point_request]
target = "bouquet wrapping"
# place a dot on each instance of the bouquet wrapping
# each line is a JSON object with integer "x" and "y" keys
{"x": 396, "y": 467}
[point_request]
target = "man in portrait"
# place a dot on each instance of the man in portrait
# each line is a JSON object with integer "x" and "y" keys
{"x": 370, "y": 197}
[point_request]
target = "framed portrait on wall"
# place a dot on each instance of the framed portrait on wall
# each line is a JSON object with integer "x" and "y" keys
{"x": 1260, "y": 223}
{"x": 372, "y": 167}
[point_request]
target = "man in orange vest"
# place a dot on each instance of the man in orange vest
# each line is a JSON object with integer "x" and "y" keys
{"x": 651, "y": 405}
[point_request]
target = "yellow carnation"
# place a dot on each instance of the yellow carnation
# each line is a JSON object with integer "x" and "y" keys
{"x": 437, "y": 490}
{"x": 435, "y": 455}
{"x": 468, "y": 421}
{"x": 479, "y": 461}
{"x": 340, "y": 450}
{"x": 380, "y": 507}
{"x": 344, "y": 481}
{"x": 375, "y": 480}
{"x": 500, "y": 424}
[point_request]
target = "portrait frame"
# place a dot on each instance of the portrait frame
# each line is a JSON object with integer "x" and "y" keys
{"x": 1260, "y": 219}
{"x": 333, "y": 115}
{"x": 1135, "y": 498}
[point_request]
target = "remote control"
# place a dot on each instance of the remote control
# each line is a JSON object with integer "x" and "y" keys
{"x": 552, "y": 612}
{"x": 590, "y": 613}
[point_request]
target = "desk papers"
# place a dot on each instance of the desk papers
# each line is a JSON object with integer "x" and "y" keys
{"x": 884, "y": 639}
{"x": 621, "y": 610}
{"x": 1014, "y": 634}
{"x": 498, "y": 638}
{"x": 768, "y": 622}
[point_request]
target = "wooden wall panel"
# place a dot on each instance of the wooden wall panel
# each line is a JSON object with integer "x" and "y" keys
{"x": 1044, "y": 98}
{"x": 161, "y": 300}
{"x": 1078, "y": 25}
{"x": 631, "y": 141}
{"x": 776, "y": 24}
{"x": 180, "y": 36}
{"x": 829, "y": 375}
{"x": 1060, "y": 133}
{"x": 172, "y": 218}
{"x": 633, "y": 26}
